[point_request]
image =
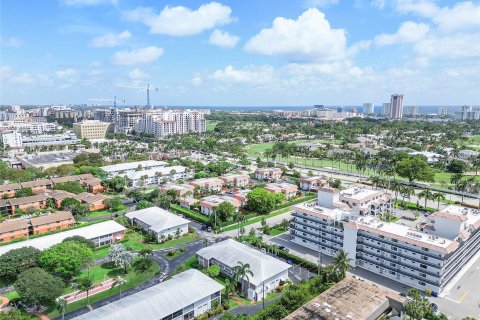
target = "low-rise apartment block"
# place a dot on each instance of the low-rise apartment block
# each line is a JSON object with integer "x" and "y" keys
{"x": 288, "y": 189}
{"x": 180, "y": 189}
{"x": 101, "y": 234}
{"x": 185, "y": 296}
{"x": 210, "y": 203}
{"x": 312, "y": 183}
{"x": 10, "y": 206}
{"x": 121, "y": 169}
{"x": 235, "y": 180}
{"x": 269, "y": 174}
{"x": 12, "y": 230}
{"x": 427, "y": 259}
{"x": 268, "y": 272}
{"x": 209, "y": 184}
{"x": 160, "y": 222}
{"x": 158, "y": 176}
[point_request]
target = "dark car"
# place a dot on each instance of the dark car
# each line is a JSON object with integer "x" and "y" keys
{"x": 283, "y": 248}
{"x": 434, "y": 307}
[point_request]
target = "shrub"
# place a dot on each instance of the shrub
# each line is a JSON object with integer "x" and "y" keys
{"x": 172, "y": 253}
{"x": 213, "y": 271}
{"x": 170, "y": 237}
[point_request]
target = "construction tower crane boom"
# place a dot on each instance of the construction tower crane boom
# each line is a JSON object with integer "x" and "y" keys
{"x": 147, "y": 88}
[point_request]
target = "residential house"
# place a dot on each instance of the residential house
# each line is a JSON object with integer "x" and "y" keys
{"x": 210, "y": 203}
{"x": 235, "y": 180}
{"x": 8, "y": 190}
{"x": 15, "y": 229}
{"x": 312, "y": 183}
{"x": 268, "y": 272}
{"x": 38, "y": 186}
{"x": 180, "y": 189}
{"x": 11, "y": 205}
{"x": 210, "y": 184}
{"x": 270, "y": 174}
{"x": 288, "y": 189}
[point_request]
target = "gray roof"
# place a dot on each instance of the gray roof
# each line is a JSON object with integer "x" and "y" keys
{"x": 133, "y": 165}
{"x": 160, "y": 300}
{"x": 158, "y": 219}
{"x": 230, "y": 252}
{"x": 90, "y": 232}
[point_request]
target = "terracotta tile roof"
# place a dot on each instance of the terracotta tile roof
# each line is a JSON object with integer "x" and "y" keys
{"x": 51, "y": 218}
{"x": 13, "y": 226}
{"x": 36, "y": 183}
{"x": 10, "y": 187}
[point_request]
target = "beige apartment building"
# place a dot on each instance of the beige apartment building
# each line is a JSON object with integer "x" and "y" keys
{"x": 91, "y": 129}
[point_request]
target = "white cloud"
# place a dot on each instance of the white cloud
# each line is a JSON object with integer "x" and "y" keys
{"x": 65, "y": 73}
{"x": 456, "y": 46}
{"x": 137, "y": 74}
{"x": 319, "y": 3}
{"x": 310, "y": 37}
{"x": 462, "y": 15}
{"x": 380, "y": 4}
{"x": 197, "y": 81}
{"x": 110, "y": 39}
{"x": 86, "y": 3}
{"x": 408, "y": 32}
{"x": 247, "y": 75}
{"x": 223, "y": 39}
{"x": 139, "y": 56}
{"x": 12, "y": 42}
{"x": 182, "y": 21}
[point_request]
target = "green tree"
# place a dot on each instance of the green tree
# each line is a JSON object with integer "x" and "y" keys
{"x": 417, "y": 307}
{"x": 62, "y": 305}
{"x": 438, "y": 196}
{"x": 415, "y": 168}
{"x": 262, "y": 201}
{"x": 120, "y": 256}
{"x": 224, "y": 212}
{"x": 79, "y": 239}
{"x": 143, "y": 204}
{"x": 14, "y": 314}
{"x": 24, "y": 192}
{"x": 15, "y": 261}
{"x": 65, "y": 259}
{"x": 242, "y": 272}
{"x": 213, "y": 271}
{"x": 230, "y": 287}
{"x": 70, "y": 186}
{"x": 342, "y": 262}
{"x": 38, "y": 288}
{"x": 456, "y": 166}
{"x": 426, "y": 194}
{"x": 85, "y": 284}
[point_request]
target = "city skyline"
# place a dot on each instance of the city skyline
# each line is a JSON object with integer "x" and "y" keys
{"x": 336, "y": 52}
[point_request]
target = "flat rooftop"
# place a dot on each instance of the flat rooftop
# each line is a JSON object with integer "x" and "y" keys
{"x": 49, "y": 158}
{"x": 350, "y": 299}
{"x": 133, "y": 165}
{"x": 360, "y": 193}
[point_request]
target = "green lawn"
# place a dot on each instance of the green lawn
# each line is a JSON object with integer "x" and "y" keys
{"x": 276, "y": 231}
{"x": 101, "y": 213}
{"x": 133, "y": 278}
{"x": 211, "y": 125}
{"x": 256, "y": 219}
{"x": 175, "y": 242}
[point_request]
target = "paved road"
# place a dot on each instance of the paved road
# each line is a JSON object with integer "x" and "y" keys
{"x": 271, "y": 221}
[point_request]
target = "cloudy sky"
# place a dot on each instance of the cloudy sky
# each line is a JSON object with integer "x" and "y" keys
{"x": 248, "y": 52}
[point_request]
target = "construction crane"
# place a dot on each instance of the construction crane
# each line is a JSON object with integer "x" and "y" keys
{"x": 109, "y": 100}
{"x": 147, "y": 88}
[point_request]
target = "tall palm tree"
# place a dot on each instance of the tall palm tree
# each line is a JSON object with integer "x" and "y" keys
{"x": 342, "y": 262}
{"x": 438, "y": 196}
{"x": 426, "y": 194}
{"x": 62, "y": 305}
{"x": 229, "y": 287}
{"x": 119, "y": 281}
{"x": 241, "y": 272}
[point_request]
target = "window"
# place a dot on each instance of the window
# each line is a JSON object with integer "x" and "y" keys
{"x": 421, "y": 283}
{"x": 423, "y": 266}
{"x": 425, "y": 249}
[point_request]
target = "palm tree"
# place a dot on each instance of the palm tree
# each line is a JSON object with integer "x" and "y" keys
{"x": 229, "y": 287}
{"x": 241, "y": 272}
{"x": 438, "y": 196}
{"x": 62, "y": 305}
{"x": 426, "y": 194}
{"x": 119, "y": 281}
{"x": 85, "y": 285}
{"x": 342, "y": 262}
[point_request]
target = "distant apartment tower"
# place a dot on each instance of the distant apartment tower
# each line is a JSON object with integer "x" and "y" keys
{"x": 163, "y": 123}
{"x": 368, "y": 108}
{"x": 386, "y": 109}
{"x": 443, "y": 111}
{"x": 91, "y": 129}
{"x": 411, "y": 110}
{"x": 396, "y": 106}
{"x": 468, "y": 113}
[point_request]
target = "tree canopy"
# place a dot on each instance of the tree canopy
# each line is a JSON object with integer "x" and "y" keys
{"x": 15, "y": 261}
{"x": 65, "y": 259}
{"x": 415, "y": 168}
{"x": 262, "y": 201}
{"x": 36, "y": 287}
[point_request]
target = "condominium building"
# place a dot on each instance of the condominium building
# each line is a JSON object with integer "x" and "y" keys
{"x": 11, "y": 138}
{"x": 162, "y": 123}
{"x": 130, "y": 167}
{"x": 368, "y": 108}
{"x": 396, "y": 106}
{"x": 157, "y": 176}
{"x": 427, "y": 258}
{"x": 312, "y": 183}
{"x": 210, "y": 184}
{"x": 411, "y": 110}
{"x": 91, "y": 129}
{"x": 386, "y": 107}
{"x": 235, "y": 180}
{"x": 468, "y": 113}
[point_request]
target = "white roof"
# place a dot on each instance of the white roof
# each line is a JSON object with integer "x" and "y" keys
{"x": 89, "y": 232}
{"x": 160, "y": 300}
{"x": 133, "y": 165}
{"x": 231, "y": 252}
{"x": 158, "y": 219}
{"x": 135, "y": 175}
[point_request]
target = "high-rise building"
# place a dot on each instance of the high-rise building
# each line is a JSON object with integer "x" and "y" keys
{"x": 468, "y": 113}
{"x": 162, "y": 123}
{"x": 91, "y": 129}
{"x": 396, "y": 106}
{"x": 368, "y": 108}
{"x": 386, "y": 109}
{"x": 411, "y": 110}
{"x": 443, "y": 111}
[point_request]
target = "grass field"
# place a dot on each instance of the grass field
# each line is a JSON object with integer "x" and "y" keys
{"x": 211, "y": 125}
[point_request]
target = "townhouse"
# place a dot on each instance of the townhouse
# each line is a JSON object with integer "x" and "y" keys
{"x": 12, "y": 230}
{"x": 268, "y": 174}
{"x": 241, "y": 196}
{"x": 210, "y": 203}
{"x": 157, "y": 176}
{"x": 185, "y": 296}
{"x": 288, "y": 189}
{"x": 160, "y": 222}
{"x": 10, "y": 206}
{"x": 209, "y": 184}
{"x": 180, "y": 189}
{"x": 312, "y": 183}
{"x": 235, "y": 180}
{"x": 426, "y": 259}
{"x": 93, "y": 201}
{"x": 268, "y": 272}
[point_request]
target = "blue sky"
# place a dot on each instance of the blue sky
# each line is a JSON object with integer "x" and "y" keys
{"x": 249, "y": 52}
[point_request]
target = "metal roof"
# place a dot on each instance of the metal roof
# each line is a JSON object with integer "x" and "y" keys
{"x": 160, "y": 300}
{"x": 133, "y": 165}
{"x": 45, "y": 242}
{"x": 231, "y": 252}
{"x": 158, "y": 219}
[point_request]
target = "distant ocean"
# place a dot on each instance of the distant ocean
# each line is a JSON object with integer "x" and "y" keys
{"x": 378, "y": 109}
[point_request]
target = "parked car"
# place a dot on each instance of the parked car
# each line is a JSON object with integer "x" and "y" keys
{"x": 283, "y": 248}
{"x": 209, "y": 229}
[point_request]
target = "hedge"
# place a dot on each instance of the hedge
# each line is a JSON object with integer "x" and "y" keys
{"x": 190, "y": 213}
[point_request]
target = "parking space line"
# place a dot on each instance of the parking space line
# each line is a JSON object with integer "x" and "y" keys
{"x": 462, "y": 297}
{"x": 451, "y": 299}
